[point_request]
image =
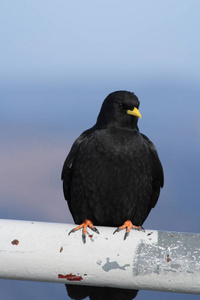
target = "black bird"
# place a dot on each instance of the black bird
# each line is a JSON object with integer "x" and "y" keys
{"x": 112, "y": 177}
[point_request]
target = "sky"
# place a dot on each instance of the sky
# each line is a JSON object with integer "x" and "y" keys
{"x": 58, "y": 62}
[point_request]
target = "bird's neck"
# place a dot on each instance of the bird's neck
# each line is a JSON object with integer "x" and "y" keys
{"x": 117, "y": 126}
{"x": 130, "y": 124}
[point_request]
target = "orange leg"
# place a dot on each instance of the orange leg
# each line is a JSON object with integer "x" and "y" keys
{"x": 84, "y": 225}
{"x": 128, "y": 225}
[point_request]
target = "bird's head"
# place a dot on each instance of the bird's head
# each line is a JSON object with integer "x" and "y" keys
{"x": 119, "y": 109}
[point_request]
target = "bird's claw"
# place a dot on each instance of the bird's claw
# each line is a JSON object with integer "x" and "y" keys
{"x": 95, "y": 229}
{"x": 84, "y": 238}
{"x": 116, "y": 230}
{"x": 139, "y": 228}
{"x": 128, "y": 226}
{"x": 84, "y": 225}
{"x": 73, "y": 230}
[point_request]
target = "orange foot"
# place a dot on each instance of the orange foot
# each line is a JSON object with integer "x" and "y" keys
{"x": 128, "y": 225}
{"x": 84, "y": 225}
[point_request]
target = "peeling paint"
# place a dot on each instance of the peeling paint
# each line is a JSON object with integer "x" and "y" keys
{"x": 168, "y": 258}
{"x": 190, "y": 272}
{"x": 168, "y": 255}
{"x": 15, "y": 242}
{"x": 170, "y": 234}
{"x": 150, "y": 233}
{"x": 99, "y": 262}
{"x": 113, "y": 265}
{"x": 91, "y": 237}
{"x": 70, "y": 277}
{"x": 175, "y": 266}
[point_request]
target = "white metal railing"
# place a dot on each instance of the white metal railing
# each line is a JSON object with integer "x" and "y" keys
{"x": 152, "y": 260}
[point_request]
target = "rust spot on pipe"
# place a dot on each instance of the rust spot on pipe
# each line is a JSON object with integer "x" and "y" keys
{"x": 15, "y": 242}
{"x": 61, "y": 249}
{"x": 70, "y": 277}
{"x": 168, "y": 259}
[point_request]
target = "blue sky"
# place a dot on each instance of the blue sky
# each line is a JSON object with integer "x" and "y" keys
{"x": 58, "y": 61}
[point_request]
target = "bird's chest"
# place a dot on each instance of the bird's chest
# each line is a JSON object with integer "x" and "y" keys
{"x": 123, "y": 149}
{"x": 111, "y": 160}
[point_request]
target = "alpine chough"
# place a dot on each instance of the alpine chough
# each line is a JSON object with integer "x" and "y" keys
{"x": 112, "y": 177}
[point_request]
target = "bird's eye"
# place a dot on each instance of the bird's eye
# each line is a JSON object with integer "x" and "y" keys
{"x": 120, "y": 105}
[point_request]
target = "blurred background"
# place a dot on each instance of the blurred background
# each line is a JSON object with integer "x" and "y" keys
{"x": 58, "y": 61}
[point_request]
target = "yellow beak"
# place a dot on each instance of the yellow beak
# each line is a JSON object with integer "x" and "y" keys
{"x": 135, "y": 112}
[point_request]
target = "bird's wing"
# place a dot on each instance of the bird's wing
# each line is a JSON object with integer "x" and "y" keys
{"x": 158, "y": 175}
{"x": 68, "y": 164}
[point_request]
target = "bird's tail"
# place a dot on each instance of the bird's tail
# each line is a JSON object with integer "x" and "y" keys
{"x": 100, "y": 293}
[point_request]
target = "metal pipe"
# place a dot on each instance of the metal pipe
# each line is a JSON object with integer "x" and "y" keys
{"x": 151, "y": 260}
